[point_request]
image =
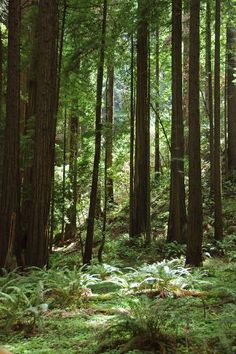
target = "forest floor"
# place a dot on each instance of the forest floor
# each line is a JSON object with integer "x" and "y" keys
{"x": 151, "y": 308}
{"x": 141, "y": 300}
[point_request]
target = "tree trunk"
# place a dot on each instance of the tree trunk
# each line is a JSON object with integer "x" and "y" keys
{"x": 195, "y": 217}
{"x": 27, "y": 156}
{"x": 37, "y": 242}
{"x": 10, "y": 197}
{"x": 209, "y": 94}
{"x": 141, "y": 215}
{"x": 64, "y": 177}
{"x": 109, "y": 134}
{"x": 71, "y": 227}
{"x": 132, "y": 133}
{"x": 157, "y": 113}
{"x": 217, "y": 144}
{"x": 177, "y": 215}
{"x": 186, "y": 68}
{"x": 93, "y": 196}
{"x": 60, "y": 44}
{"x": 1, "y": 110}
{"x": 231, "y": 100}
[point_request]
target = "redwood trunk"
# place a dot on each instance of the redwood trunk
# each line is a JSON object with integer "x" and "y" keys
{"x": 37, "y": 242}
{"x": 177, "y": 217}
{"x": 10, "y": 197}
{"x": 217, "y": 127}
{"x": 109, "y": 143}
{"x": 195, "y": 217}
{"x": 209, "y": 94}
{"x": 98, "y": 135}
{"x": 231, "y": 101}
{"x": 141, "y": 212}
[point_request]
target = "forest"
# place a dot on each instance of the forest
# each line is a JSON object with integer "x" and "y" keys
{"x": 118, "y": 176}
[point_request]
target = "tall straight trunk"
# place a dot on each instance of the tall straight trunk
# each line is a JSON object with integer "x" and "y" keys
{"x": 157, "y": 113}
{"x": 217, "y": 127}
{"x": 64, "y": 176}
{"x": 231, "y": 100}
{"x": 109, "y": 128}
{"x": 71, "y": 226}
{"x": 1, "y": 109}
{"x": 1, "y": 79}
{"x": 26, "y": 198}
{"x": 132, "y": 133}
{"x": 98, "y": 135}
{"x": 60, "y": 44}
{"x": 10, "y": 196}
{"x": 177, "y": 214}
{"x": 209, "y": 94}
{"x": 186, "y": 16}
{"x": 141, "y": 214}
{"x": 195, "y": 217}
{"x": 37, "y": 242}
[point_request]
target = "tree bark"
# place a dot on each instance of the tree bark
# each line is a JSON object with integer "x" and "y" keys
{"x": 109, "y": 132}
{"x": 177, "y": 214}
{"x": 10, "y": 197}
{"x": 186, "y": 16}
{"x": 217, "y": 131}
{"x": 132, "y": 134}
{"x": 195, "y": 217}
{"x": 93, "y": 195}
{"x": 141, "y": 215}
{"x": 71, "y": 227}
{"x": 37, "y": 242}
{"x": 231, "y": 100}
{"x": 209, "y": 94}
{"x": 27, "y": 157}
{"x": 1, "y": 110}
{"x": 157, "y": 113}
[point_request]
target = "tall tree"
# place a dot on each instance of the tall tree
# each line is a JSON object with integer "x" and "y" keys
{"x": 45, "y": 125}
{"x": 217, "y": 144}
{"x": 98, "y": 135}
{"x": 29, "y": 134}
{"x": 231, "y": 99}
{"x": 185, "y": 21}
{"x": 157, "y": 113}
{"x": 177, "y": 213}
{"x": 209, "y": 93}
{"x": 141, "y": 210}
{"x": 132, "y": 134}
{"x": 195, "y": 216}
{"x": 74, "y": 132}
{"x": 10, "y": 196}
{"x": 109, "y": 131}
{"x": 1, "y": 108}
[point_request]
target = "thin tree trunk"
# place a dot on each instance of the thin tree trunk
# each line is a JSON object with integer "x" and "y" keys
{"x": 10, "y": 197}
{"x": 1, "y": 110}
{"x": 109, "y": 129}
{"x": 60, "y": 57}
{"x": 157, "y": 113}
{"x": 93, "y": 196}
{"x": 46, "y": 100}
{"x": 132, "y": 133}
{"x": 217, "y": 129}
{"x": 231, "y": 100}
{"x": 64, "y": 177}
{"x": 195, "y": 217}
{"x": 209, "y": 94}
{"x": 186, "y": 16}
{"x": 141, "y": 215}
{"x": 177, "y": 215}
{"x": 71, "y": 227}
